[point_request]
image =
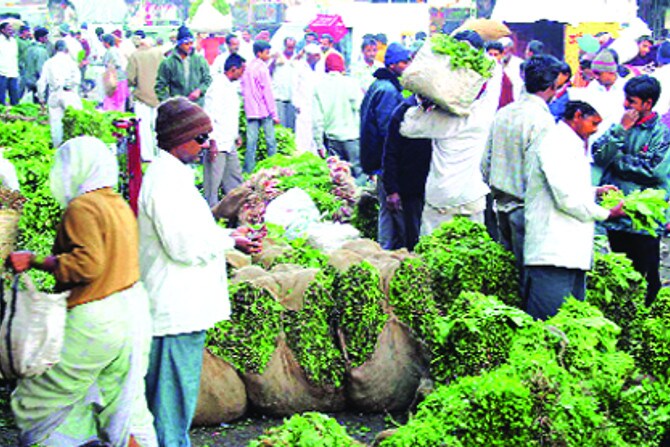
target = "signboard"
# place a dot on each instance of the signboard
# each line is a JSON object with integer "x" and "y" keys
{"x": 572, "y": 33}
{"x": 448, "y": 18}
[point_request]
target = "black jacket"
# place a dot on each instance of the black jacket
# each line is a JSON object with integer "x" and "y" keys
{"x": 406, "y": 161}
{"x": 378, "y": 105}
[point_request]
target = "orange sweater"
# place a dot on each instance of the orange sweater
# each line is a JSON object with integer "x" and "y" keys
{"x": 97, "y": 246}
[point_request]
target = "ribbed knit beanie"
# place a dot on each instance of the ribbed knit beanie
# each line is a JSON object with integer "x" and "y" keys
{"x": 184, "y": 35}
{"x": 180, "y": 121}
{"x": 604, "y": 62}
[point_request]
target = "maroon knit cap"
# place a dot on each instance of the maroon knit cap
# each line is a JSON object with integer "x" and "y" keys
{"x": 180, "y": 121}
{"x": 334, "y": 62}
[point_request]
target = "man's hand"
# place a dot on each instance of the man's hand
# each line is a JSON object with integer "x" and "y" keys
{"x": 393, "y": 202}
{"x": 276, "y": 120}
{"x": 629, "y": 118}
{"x": 322, "y": 152}
{"x": 238, "y": 142}
{"x": 212, "y": 151}
{"x": 20, "y": 261}
{"x": 617, "y": 211}
{"x": 247, "y": 240}
{"x": 195, "y": 94}
{"x": 605, "y": 189}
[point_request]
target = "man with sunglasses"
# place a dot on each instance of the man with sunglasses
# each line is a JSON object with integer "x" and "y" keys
{"x": 183, "y": 73}
{"x": 183, "y": 267}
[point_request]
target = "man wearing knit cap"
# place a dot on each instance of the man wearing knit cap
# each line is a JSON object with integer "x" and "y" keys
{"x": 183, "y": 73}
{"x": 337, "y": 103}
{"x": 384, "y": 95}
{"x": 259, "y": 104}
{"x": 183, "y": 267}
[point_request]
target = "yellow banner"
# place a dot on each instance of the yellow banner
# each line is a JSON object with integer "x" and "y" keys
{"x": 572, "y": 33}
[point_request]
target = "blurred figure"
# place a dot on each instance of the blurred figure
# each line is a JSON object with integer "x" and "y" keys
{"x": 9, "y": 65}
{"x": 282, "y": 69}
{"x": 307, "y": 76}
{"x": 363, "y": 71}
{"x": 512, "y": 66}
{"x": 35, "y": 58}
{"x": 534, "y": 48}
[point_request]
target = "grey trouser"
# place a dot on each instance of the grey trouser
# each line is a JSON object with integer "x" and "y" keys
{"x": 224, "y": 171}
{"x": 286, "y": 113}
{"x": 512, "y": 232}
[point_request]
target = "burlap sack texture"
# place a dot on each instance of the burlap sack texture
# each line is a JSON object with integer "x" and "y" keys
{"x": 389, "y": 380}
{"x": 222, "y": 396}
{"x": 283, "y": 389}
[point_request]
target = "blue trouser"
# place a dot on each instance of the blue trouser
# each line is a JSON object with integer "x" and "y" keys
{"x": 391, "y": 225}
{"x": 11, "y": 85}
{"x": 253, "y": 127}
{"x": 547, "y": 287}
{"x": 172, "y": 385}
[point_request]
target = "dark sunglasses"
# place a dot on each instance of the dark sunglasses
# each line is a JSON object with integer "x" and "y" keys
{"x": 202, "y": 139}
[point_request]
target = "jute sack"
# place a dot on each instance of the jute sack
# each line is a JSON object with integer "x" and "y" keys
{"x": 431, "y": 76}
{"x": 389, "y": 380}
{"x": 222, "y": 396}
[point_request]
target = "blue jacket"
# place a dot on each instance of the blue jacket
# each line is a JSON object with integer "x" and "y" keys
{"x": 378, "y": 105}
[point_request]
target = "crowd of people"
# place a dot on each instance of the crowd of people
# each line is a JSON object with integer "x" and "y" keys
{"x": 538, "y": 148}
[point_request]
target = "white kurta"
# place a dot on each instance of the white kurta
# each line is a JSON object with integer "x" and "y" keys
{"x": 222, "y": 104}
{"x": 560, "y": 208}
{"x": 305, "y": 81}
{"x": 182, "y": 251}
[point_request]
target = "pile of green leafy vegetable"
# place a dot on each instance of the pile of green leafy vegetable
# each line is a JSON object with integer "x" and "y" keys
{"x": 310, "y": 333}
{"x": 366, "y": 214}
{"x": 462, "y": 257}
{"x": 652, "y": 337}
{"x": 618, "y": 290}
{"x": 307, "y": 430}
{"x": 302, "y": 254}
{"x": 411, "y": 296}
{"x": 28, "y": 147}
{"x": 462, "y": 54}
{"x": 359, "y": 310}
{"x": 473, "y": 337}
{"x": 220, "y": 5}
{"x": 645, "y": 208}
{"x": 248, "y": 340}
{"x": 91, "y": 122}
{"x": 284, "y": 137}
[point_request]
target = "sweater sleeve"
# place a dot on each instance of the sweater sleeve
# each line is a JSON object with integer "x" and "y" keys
{"x": 265, "y": 83}
{"x": 609, "y": 146}
{"x": 648, "y": 165}
{"x": 391, "y": 154}
{"x": 163, "y": 81}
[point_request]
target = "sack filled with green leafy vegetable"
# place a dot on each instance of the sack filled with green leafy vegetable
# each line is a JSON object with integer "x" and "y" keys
{"x": 222, "y": 396}
{"x": 385, "y": 364}
{"x": 449, "y": 72}
{"x": 281, "y": 340}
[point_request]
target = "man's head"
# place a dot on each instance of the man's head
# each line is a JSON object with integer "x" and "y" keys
{"x": 397, "y": 58}
{"x": 289, "y": 45}
{"x": 421, "y": 35}
{"x": 233, "y": 43}
{"x": 184, "y": 40}
{"x": 327, "y": 42}
{"x": 311, "y": 37}
{"x": 604, "y": 68}
{"x": 471, "y": 37}
{"x": 534, "y": 48}
{"x": 41, "y": 34}
{"x": 182, "y": 128}
{"x": 108, "y": 40}
{"x": 24, "y": 32}
{"x": 381, "y": 38}
{"x": 508, "y": 48}
{"x": 495, "y": 50}
{"x": 262, "y": 50}
{"x": 234, "y": 66}
{"x": 642, "y": 93}
{"x": 585, "y": 66}
{"x": 64, "y": 29}
{"x": 582, "y": 118}
{"x": 60, "y": 46}
{"x": 6, "y": 29}
{"x": 663, "y": 55}
{"x": 246, "y": 35}
{"x": 540, "y": 73}
{"x": 99, "y": 31}
{"x": 644, "y": 44}
{"x": 313, "y": 54}
{"x": 334, "y": 63}
{"x": 564, "y": 75}
{"x": 369, "y": 49}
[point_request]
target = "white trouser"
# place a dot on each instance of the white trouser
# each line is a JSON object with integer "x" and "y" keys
{"x": 58, "y": 102}
{"x": 432, "y": 217}
{"x": 147, "y": 117}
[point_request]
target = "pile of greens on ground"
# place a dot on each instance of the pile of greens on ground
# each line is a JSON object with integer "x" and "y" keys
{"x": 462, "y": 257}
{"x": 307, "y": 430}
{"x": 359, "y": 307}
{"x": 462, "y": 54}
{"x": 645, "y": 208}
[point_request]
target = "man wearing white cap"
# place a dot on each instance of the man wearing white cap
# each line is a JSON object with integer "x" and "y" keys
{"x": 512, "y": 66}
{"x": 305, "y": 79}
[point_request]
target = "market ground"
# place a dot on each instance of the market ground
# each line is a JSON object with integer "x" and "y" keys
{"x": 363, "y": 427}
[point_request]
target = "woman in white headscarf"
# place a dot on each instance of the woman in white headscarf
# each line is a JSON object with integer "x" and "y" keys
{"x": 96, "y": 391}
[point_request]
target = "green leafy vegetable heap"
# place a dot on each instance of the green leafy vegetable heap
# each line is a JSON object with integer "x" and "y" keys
{"x": 475, "y": 336}
{"x": 652, "y": 350}
{"x": 220, "y": 5}
{"x": 646, "y": 208}
{"x": 614, "y": 287}
{"x": 302, "y": 254}
{"x": 91, "y": 122}
{"x": 361, "y": 318}
{"x": 462, "y": 257}
{"x": 462, "y": 54}
{"x": 249, "y": 338}
{"x": 307, "y": 430}
{"x": 311, "y": 336}
{"x": 366, "y": 214}
{"x": 284, "y": 137}
{"x": 411, "y": 296}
